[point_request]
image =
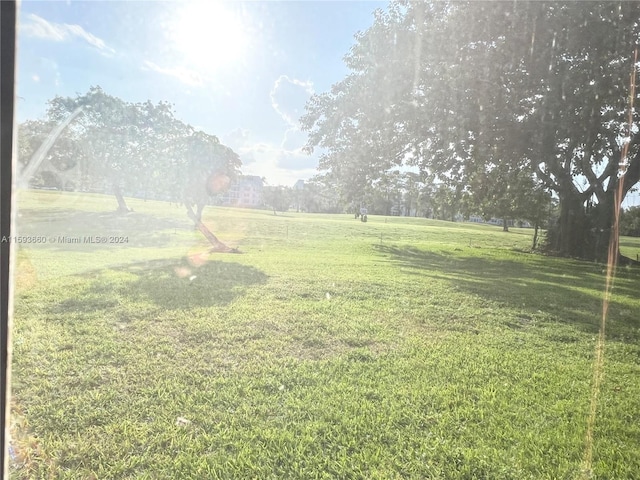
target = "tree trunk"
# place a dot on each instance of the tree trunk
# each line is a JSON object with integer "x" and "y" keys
{"x": 505, "y": 225}
{"x": 570, "y": 226}
{"x": 535, "y": 235}
{"x": 122, "y": 205}
{"x": 582, "y": 232}
{"x": 602, "y": 216}
{"x": 218, "y": 246}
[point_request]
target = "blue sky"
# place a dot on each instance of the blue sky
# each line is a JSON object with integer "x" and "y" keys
{"x": 239, "y": 70}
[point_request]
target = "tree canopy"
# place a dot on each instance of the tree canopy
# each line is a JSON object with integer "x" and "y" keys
{"x": 630, "y": 222}
{"x": 128, "y": 147}
{"x": 498, "y": 100}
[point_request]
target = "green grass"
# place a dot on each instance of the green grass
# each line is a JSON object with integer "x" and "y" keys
{"x": 330, "y": 348}
{"x": 630, "y": 247}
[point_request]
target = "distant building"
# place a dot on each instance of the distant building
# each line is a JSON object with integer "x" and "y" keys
{"x": 299, "y": 196}
{"x": 246, "y": 191}
{"x": 497, "y": 221}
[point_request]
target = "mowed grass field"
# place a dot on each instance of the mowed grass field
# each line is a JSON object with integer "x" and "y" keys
{"x": 400, "y": 348}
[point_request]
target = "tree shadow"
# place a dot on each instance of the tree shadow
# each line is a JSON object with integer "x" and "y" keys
{"x": 169, "y": 285}
{"x": 66, "y": 229}
{"x": 569, "y": 291}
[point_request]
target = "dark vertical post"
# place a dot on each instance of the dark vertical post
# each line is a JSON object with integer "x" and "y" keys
{"x": 7, "y": 76}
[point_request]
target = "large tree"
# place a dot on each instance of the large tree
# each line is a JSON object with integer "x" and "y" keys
{"x": 491, "y": 93}
{"x": 208, "y": 169}
{"x": 320, "y": 195}
{"x": 132, "y": 148}
{"x": 65, "y": 154}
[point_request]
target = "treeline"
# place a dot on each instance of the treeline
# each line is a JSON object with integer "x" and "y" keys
{"x": 630, "y": 222}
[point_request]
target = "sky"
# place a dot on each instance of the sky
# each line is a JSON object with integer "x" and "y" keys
{"x": 239, "y": 70}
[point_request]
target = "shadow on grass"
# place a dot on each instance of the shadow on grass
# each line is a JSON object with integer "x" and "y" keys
{"x": 139, "y": 229}
{"x": 167, "y": 285}
{"x": 568, "y": 291}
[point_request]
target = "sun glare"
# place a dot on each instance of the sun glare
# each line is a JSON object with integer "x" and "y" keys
{"x": 209, "y": 35}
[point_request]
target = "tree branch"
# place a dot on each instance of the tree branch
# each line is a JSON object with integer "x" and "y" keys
{"x": 546, "y": 178}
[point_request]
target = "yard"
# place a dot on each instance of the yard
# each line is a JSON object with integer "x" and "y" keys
{"x": 330, "y": 348}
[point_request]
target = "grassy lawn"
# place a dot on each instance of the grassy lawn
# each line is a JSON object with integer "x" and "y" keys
{"x": 330, "y": 348}
{"x": 630, "y": 247}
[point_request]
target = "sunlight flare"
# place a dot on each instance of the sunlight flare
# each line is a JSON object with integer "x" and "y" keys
{"x": 209, "y": 35}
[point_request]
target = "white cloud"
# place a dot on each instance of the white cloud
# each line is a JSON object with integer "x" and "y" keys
{"x": 272, "y": 166}
{"x": 285, "y": 162}
{"x": 36, "y": 26}
{"x": 40, "y": 28}
{"x": 288, "y": 97}
{"x": 296, "y": 161}
{"x": 80, "y": 32}
{"x": 280, "y": 164}
{"x": 294, "y": 140}
{"x": 237, "y": 138}
{"x": 184, "y": 75}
